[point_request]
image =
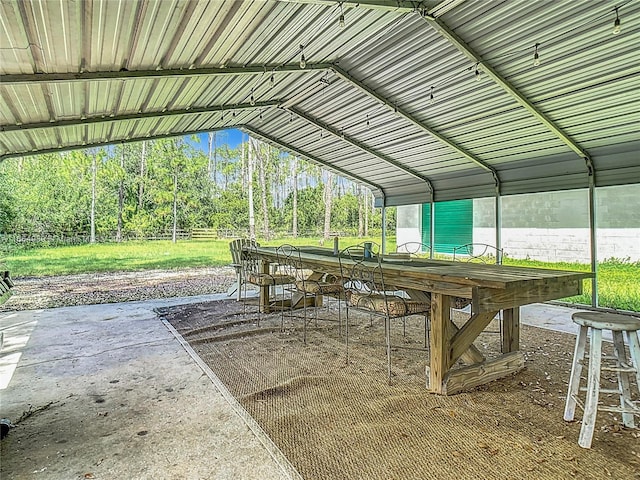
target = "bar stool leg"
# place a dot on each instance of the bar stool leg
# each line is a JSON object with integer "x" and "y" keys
{"x": 576, "y": 371}
{"x": 623, "y": 378}
{"x": 593, "y": 389}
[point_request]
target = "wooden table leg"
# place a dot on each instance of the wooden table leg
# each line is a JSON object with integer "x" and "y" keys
{"x": 264, "y": 290}
{"x": 440, "y": 345}
{"x": 511, "y": 330}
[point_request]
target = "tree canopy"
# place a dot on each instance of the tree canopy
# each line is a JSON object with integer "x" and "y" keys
{"x": 149, "y": 188}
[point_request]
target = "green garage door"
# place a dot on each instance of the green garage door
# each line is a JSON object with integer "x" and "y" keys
{"x": 454, "y": 224}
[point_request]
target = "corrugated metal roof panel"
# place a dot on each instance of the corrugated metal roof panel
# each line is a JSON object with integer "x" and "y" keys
{"x": 587, "y": 85}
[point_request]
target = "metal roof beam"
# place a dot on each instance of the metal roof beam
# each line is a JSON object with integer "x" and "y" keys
{"x": 109, "y": 142}
{"x": 400, "y": 6}
{"x": 313, "y": 158}
{"x": 437, "y": 7}
{"x": 424, "y": 127}
{"x": 138, "y": 116}
{"x": 173, "y": 72}
{"x": 461, "y": 45}
{"x": 361, "y": 146}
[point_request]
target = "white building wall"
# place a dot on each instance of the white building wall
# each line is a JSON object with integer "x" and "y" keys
{"x": 408, "y": 224}
{"x": 552, "y": 226}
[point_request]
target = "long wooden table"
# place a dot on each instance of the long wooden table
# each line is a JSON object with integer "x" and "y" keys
{"x": 491, "y": 288}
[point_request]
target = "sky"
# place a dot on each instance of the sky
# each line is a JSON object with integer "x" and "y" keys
{"x": 232, "y": 137}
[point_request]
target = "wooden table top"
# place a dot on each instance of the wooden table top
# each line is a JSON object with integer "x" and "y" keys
{"x": 460, "y": 273}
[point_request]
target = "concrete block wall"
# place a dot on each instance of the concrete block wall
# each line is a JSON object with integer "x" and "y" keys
{"x": 552, "y": 226}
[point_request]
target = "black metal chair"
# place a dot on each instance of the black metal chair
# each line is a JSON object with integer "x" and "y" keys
{"x": 253, "y": 274}
{"x": 305, "y": 287}
{"x": 365, "y": 290}
{"x": 479, "y": 253}
{"x": 414, "y": 249}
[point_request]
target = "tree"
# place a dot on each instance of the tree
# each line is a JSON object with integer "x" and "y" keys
{"x": 328, "y": 195}
{"x": 156, "y": 186}
{"x": 94, "y": 176}
{"x": 261, "y": 158}
{"x": 294, "y": 170}
{"x": 120, "y": 195}
{"x": 252, "y": 218}
{"x": 143, "y": 155}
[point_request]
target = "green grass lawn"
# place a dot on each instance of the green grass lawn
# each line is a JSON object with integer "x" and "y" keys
{"x": 618, "y": 282}
{"x": 133, "y": 256}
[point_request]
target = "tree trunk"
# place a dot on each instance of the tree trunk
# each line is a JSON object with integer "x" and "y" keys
{"x": 328, "y": 195}
{"x": 366, "y": 213}
{"x": 215, "y": 159}
{"x": 242, "y": 165}
{"x": 295, "y": 197}
{"x": 210, "y": 156}
{"x": 175, "y": 206}
{"x": 361, "y": 209}
{"x": 252, "y": 218}
{"x": 94, "y": 174}
{"x": 260, "y": 158}
{"x": 143, "y": 156}
{"x": 120, "y": 198}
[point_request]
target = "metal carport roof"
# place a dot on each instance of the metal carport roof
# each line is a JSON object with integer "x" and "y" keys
{"x": 78, "y": 74}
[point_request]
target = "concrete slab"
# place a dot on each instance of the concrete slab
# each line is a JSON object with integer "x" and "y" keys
{"x": 107, "y": 391}
{"x": 549, "y": 316}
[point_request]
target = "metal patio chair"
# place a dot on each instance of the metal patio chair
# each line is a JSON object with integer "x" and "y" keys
{"x": 253, "y": 274}
{"x": 305, "y": 286}
{"x": 365, "y": 290}
{"x": 414, "y": 249}
{"x": 477, "y": 253}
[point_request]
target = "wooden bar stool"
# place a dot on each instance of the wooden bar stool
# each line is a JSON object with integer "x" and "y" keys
{"x": 619, "y": 325}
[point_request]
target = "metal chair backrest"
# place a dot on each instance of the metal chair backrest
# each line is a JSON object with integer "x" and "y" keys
{"x": 289, "y": 261}
{"x": 478, "y": 252}
{"x": 414, "y": 249}
{"x": 361, "y": 270}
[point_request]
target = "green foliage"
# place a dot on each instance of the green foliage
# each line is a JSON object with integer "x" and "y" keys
{"x": 310, "y": 216}
{"x": 140, "y": 183}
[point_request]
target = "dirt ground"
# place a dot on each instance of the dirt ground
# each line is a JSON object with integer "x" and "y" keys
{"x": 90, "y": 289}
{"x": 335, "y": 420}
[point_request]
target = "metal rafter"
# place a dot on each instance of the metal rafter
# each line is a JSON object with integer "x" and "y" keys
{"x": 139, "y": 116}
{"x": 401, "y": 6}
{"x": 172, "y": 72}
{"x": 361, "y": 146}
{"x": 407, "y": 116}
{"x": 461, "y": 45}
{"x": 290, "y": 148}
{"x": 109, "y": 142}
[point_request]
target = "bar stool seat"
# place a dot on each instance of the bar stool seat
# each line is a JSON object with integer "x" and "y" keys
{"x": 619, "y": 325}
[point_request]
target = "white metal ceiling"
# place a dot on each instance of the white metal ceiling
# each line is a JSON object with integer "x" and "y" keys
{"x": 80, "y": 74}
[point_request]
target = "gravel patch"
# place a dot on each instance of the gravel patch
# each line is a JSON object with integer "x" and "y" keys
{"x": 32, "y": 293}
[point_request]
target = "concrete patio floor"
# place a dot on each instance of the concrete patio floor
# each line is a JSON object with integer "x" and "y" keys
{"x": 120, "y": 396}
